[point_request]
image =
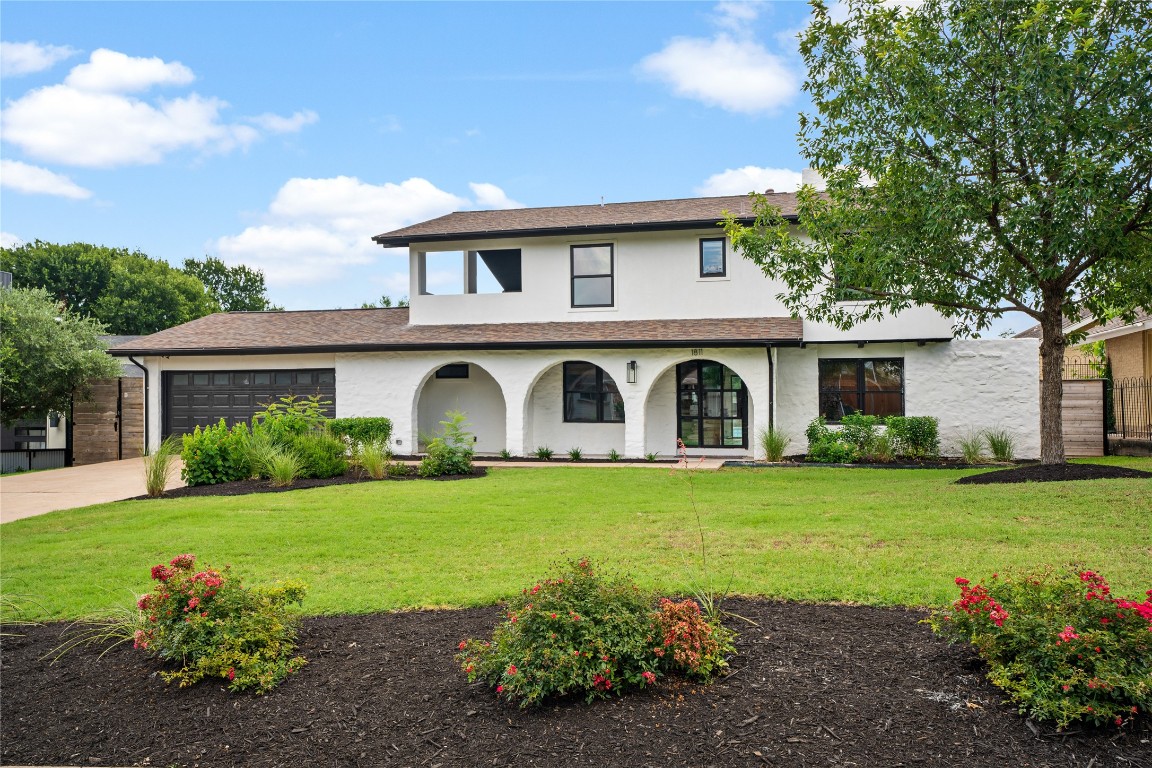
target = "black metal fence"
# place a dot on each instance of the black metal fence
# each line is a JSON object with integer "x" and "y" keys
{"x": 1130, "y": 408}
{"x": 1085, "y": 368}
{"x": 34, "y": 458}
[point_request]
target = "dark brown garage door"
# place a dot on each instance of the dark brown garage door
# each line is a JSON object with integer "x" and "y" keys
{"x": 200, "y": 398}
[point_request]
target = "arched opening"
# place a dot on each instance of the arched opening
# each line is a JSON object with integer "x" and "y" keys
{"x": 702, "y": 402}
{"x": 468, "y": 388}
{"x": 575, "y": 404}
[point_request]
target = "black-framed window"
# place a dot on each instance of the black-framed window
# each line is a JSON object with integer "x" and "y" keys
{"x": 592, "y": 268}
{"x": 713, "y": 406}
{"x": 590, "y": 394}
{"x": 452, "y": 371}
{"x": 713, "y": 257}
{"x": 874, "y": 387}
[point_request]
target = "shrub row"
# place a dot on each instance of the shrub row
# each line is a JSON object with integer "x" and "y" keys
{"x": 860, "y": 437}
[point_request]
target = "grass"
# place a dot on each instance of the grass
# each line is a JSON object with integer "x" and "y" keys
{"x": 825, "y": 534}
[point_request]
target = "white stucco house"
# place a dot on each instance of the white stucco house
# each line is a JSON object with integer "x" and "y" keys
{"x": 604, "y": 327}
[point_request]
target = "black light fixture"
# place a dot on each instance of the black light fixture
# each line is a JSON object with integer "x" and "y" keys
{"x": 631, "y": 371}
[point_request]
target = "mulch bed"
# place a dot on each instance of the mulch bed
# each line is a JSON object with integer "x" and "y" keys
{"x": 812, "y": 685}
{"x": 1046, "y": 473}
{"x": 243, "y": 487}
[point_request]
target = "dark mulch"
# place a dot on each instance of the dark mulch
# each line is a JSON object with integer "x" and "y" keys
{"x": 1046, "y": 473}
{"x": 813, "y": 685}
{"x": 242, "y": 487}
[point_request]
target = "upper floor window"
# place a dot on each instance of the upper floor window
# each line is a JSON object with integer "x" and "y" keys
{"x": 712, "y": 257}
{"x": 871, "y": 387}
{"x": 592, "y": 275}
{"x": 590, "y": 394}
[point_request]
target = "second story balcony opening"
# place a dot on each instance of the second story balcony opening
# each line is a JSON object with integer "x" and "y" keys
{"x": 460, "y": 272}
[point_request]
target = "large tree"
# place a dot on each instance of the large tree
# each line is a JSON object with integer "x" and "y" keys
{"x": 982, "y": 157}
{"x": 47, "y": 354}
{"x": 128, "y": 291}
{"x": 235, "y": 289}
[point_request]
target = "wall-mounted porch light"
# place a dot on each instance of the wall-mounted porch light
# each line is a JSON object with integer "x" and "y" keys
{"x": 631, "y": 371}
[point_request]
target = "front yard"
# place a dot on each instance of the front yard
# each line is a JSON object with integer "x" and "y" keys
{"x": 882, "y": 537}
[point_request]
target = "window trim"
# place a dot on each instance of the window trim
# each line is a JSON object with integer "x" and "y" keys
{"x": 861, "y": 391}
{"x": 723, "y": 257}
{"x": 573, "y": 277}
{"x": 600, "y": 392}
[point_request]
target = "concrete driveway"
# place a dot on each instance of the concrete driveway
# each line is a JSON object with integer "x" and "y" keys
{"x": 35, "y": 493}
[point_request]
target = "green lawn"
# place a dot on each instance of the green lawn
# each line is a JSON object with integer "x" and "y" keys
{"x": 862, "y": 535}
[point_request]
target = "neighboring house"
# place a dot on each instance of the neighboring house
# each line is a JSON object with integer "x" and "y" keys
{"x": 604, "y": 327}
{"x": 1127, "y": 345}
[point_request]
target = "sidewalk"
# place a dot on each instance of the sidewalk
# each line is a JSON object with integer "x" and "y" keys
{"x": 36, "y": 493}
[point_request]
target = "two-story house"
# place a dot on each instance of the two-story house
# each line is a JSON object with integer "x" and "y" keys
{"x": 605, "y": 327}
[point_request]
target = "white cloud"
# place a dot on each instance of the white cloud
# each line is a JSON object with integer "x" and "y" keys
{"x": 90, "y": 121}
{"x": 316, "y": 229}
{"x": 114, "y": 72}
{"x": 32, "y": 180}
{"x": 736, "y": 15}
{"x": 9, "y": 240}
{"x": 25, "y": 58}
{"x": 738, "y": 75}
{"x": 750, "y": 178}
{"x": 491, "y": 197}
{"x": 277, "y": 124}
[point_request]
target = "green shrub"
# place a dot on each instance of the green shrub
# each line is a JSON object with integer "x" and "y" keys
{"x": 543, "y": 452}
{"x": 817, "y": 431}
{"x": 774, "y": 442}
{"x": 215, "y": 454}
{"x": 915, "y": 436}
{"x": 832, "y": 451}
{"x": 614, "y": 455}
{"x": 882, "y": 450}
{"x": 291, "y": 416}
{"x": 860, "y": 431}
{"x": 1002, "y": 443}
{"x": 505, "y": 454}
{"x": 575, "y": 454}
{"x": 207, "y": 624}
{"x": 652, "y": 456}
{"x": 283, "y": 467}
{"x": 581, "y": 633}
{"x": 449, "y": 453}
{"x": 362, "y": 429}
{"x": 1058, "y": 643}
{"x": 320, "y": 454}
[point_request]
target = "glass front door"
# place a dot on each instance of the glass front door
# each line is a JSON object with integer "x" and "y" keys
{"x": 713, "y": 405}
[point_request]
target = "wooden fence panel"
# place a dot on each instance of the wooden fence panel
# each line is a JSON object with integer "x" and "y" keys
{"x": 111, "y": 425}
{"x": 1083, "y": 416}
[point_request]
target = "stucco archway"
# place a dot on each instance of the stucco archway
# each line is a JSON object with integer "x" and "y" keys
{"x": 602, "y": 427}
{"x": 662, "y": 412}
{"x": 467, "y": 387}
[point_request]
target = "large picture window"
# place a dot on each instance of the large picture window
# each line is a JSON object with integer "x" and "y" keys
{"x": 871, "y": 387}
{"x": 590, "y": 394}
{"x": 713, "y": 406}
{"x": 592, "y": 267}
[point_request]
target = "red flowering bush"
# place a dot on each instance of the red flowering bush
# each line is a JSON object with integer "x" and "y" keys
{"x": 1059, "y": 643}
{"x": 583, "y": 633}
{"x": 206, "y": 622}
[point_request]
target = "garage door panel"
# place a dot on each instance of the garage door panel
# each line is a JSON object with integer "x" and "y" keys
{"x": 202, "y": 398}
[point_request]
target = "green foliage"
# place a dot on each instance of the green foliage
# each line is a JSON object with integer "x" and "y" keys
{"x": 450, "y": 452}
{"x": 773, "y": 442}
{"x": 652, "y": 456}
{"x": 283, "y": 467}
{"x": 832, "y": 451}
{"x": 1059, "y": 644}
{"x": 882, "y": 450}
{"x": 385, "y": 302}
{"x": 362, "y": 429}
{"x": 209, "y": 625}
{"x": 818, "y": 431}
{"x": 575, "y": 454}
{"x": 47, "y": 353}
{"x": 215, "y": 454}
{"x": 1015, "y": 182}
{"x": 158, "y": 467}
{"x": 320, "y": 454}
{"x": 234, "y": 289}
{"x": 972, "y": 447}
{"x": 505, "y": 454}
{"x": 543, "y": 452}
{"x": 259, "y": 452}
{"x": 860, "y": 431}
{"x": 374, "y": 458}
{"x": 581, "y": 633}
{"x": 614, "y": 455}
{"x": 917, "y": 437}
{"x": 292, "y": 416}
{"x": 1002, "y": 443}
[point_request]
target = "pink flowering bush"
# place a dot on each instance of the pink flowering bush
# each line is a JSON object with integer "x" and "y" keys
{"x": 582, "y": 633}
{"x": 208, "y": 624}
{"x": 1061, "y": 645}
{"x": 690, "y": 644}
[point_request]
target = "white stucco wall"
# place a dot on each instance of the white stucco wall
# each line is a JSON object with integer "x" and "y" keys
{"x": 912, "y": 323}
{"x": 547, "y": 426}
{"x": 968, "y": 384}
{"x": 478, "y": 396}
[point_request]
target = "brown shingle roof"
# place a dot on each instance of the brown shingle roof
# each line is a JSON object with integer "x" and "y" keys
{"x": 388, "y": 329}
{"x": 1094, "y": 329}
{"x": 689, "y": 213}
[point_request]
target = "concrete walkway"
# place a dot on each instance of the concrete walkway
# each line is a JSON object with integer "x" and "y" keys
{"x": 36, "y": 493}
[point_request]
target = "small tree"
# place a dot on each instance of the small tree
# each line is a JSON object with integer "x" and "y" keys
{"x": 235, "y": 289}
{"x": 47, "y": 354}
{"x": 982, "y": 157}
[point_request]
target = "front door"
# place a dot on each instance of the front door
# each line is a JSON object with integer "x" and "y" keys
{"x": 713, "y": 405}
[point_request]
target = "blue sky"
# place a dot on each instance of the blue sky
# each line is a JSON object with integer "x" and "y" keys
{"x": 285, "y": 135}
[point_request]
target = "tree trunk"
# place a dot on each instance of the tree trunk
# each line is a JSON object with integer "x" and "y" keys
{"x": 1052, "y": 387}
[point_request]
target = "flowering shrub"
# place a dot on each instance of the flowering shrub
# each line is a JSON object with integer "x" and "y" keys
{"x": 206, "y": 622}
{"x": 1059, "y": 643}
{"x": 582, "y": 633}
